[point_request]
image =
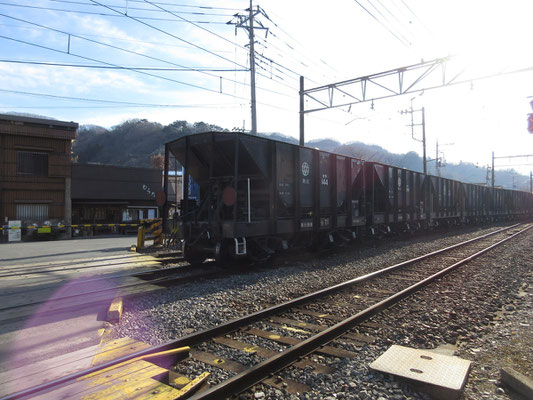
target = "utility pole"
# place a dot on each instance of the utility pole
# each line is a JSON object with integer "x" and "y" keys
{"x": 437, "y": 158}
{"x": 252, "y": 71}
{"x": 247, "y": 22}
{"x": 530, "y": 182}
{"x": 424, "y": 139}
{"x": 511, "y": 165}
{"x": 492, "y": 170}
{"x": 302, "y": 115}
{"x": 423, "y": 124}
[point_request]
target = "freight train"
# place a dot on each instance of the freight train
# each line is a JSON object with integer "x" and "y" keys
{"x": 257, "y": 196}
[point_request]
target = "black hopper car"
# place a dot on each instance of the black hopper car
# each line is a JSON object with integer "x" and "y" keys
{"x": 254, "y": 197}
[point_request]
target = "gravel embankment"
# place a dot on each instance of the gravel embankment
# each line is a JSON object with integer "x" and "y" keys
{"x": 484, "y": 288}
{"x": 482, "y": 311}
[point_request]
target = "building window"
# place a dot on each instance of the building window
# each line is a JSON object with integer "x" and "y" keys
{"x": 32, "y": 163}
{"x": 32, "y": 212}
{"x": 129, "y": 215}
{"x": 100, "y": 214}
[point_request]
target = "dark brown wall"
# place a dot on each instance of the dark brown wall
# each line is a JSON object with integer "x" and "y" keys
{"x": 40, "y": 136}
{"x": 107, "y": 182}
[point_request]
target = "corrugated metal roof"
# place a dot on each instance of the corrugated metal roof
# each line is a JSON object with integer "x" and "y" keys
{"x": 39, "y": 121}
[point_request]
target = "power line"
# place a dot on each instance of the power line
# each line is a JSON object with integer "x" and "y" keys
{"x": 383, "y": 25}
{"x": 114, "y": 65}
{"x": 129, "y": 8}
{"x": 136, "y": 41}
{"x": 282, "y": 66}
{"x": 127, "y": 51}
{"x": 386, "y": 19}
{"x": 115, "y": 102}
{"x": 263, "y": 43}
{"x": 192, "y": 69}
{"x": 268, "y": 61}
{"x": 413, "y": 13}
{"x": 102, "y": 14}
{"x": 201, "y": 27}
{"x": 392, "y": 15}
{"x": 191, "y": 22}
{"x": 170, "y": 4}
{"x": 295, "y": 40}
{"x": 125, "y": 104}
{"x": 172, "y": 35}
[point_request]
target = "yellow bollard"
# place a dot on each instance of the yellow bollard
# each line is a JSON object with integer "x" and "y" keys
{"x": 140, "y": 238}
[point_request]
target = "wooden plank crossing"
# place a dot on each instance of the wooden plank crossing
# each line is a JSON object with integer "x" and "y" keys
{"x": 137, "y": 379}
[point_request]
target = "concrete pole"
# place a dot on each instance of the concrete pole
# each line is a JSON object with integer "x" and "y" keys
{"x": 437, "y": 158}
{"x": 424, "y": 139}
{"x": 252, "y": 71}
{"x": 302, "y": 115}
{"x": 492, "y": 169}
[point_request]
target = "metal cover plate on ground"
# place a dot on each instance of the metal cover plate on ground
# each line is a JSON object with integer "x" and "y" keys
{"x": 424, "y": 366}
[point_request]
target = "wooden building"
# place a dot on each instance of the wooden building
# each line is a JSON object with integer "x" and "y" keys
{"x": 35, "y": 170}
{"x": 108, "y": 194}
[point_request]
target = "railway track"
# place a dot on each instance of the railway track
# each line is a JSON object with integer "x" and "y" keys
{"x": 64, "y": 294}
{"x": 289, "y": 334}
{"x": 55, "y": 294}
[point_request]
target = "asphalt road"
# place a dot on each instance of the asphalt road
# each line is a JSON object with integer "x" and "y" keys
{"x": 61, "y": 250}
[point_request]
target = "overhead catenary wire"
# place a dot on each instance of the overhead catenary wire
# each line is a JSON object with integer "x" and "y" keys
{"x": 103, "y": 14}
{"x": 263, "y": 43}
{"x": 416, "y": 16}
{"x": 107, "y": 101}
{"x": 172, "y": 13}
{"x": 179, "y": 38}
{"x": 129, "y": 9}
{"x": 167, "y": 4}
{"x": 298, "y": 74}
{"x": 111, "y": 64}
{"x": 126, "y": 104}
{"x": 130, "y": 68}
{"x": 201, "y": 27}
{"x": 386, "y": 18}
{"x": 171, "y": 35}
{"x": 300, "y": 44}
{"x": 128, "y": 51}
{"x": 406, "y": 44}
{"x": 117, "y": 38}
{"x": 96, "y": 66}
{"x": 191, "y": 22}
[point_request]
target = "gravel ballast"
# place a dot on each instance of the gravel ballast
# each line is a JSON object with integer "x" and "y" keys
{"x": 458, "y": 311}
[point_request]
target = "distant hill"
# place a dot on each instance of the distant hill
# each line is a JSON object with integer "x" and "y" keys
{"x": 324, "y": 144}
{"x": 138, "y": 142}
{"x": 132, "y": 143}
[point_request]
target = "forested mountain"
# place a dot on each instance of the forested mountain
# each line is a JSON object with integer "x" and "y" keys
{"x": 131, "y": 143}
{"x": 138, "y": 142}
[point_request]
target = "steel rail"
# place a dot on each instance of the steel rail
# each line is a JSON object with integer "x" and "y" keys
{"x": 59, "y": 268}
{"x": 232, "y": 325}
{"x": 115, "y": 289}
{"x": 264, "y": 369}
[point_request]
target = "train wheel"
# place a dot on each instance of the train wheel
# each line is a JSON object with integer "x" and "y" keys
{"x": 221, "y": 254}
{"x": 192, "y": 257}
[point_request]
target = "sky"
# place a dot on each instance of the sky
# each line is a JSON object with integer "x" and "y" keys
{"x": 106, "y": 61}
